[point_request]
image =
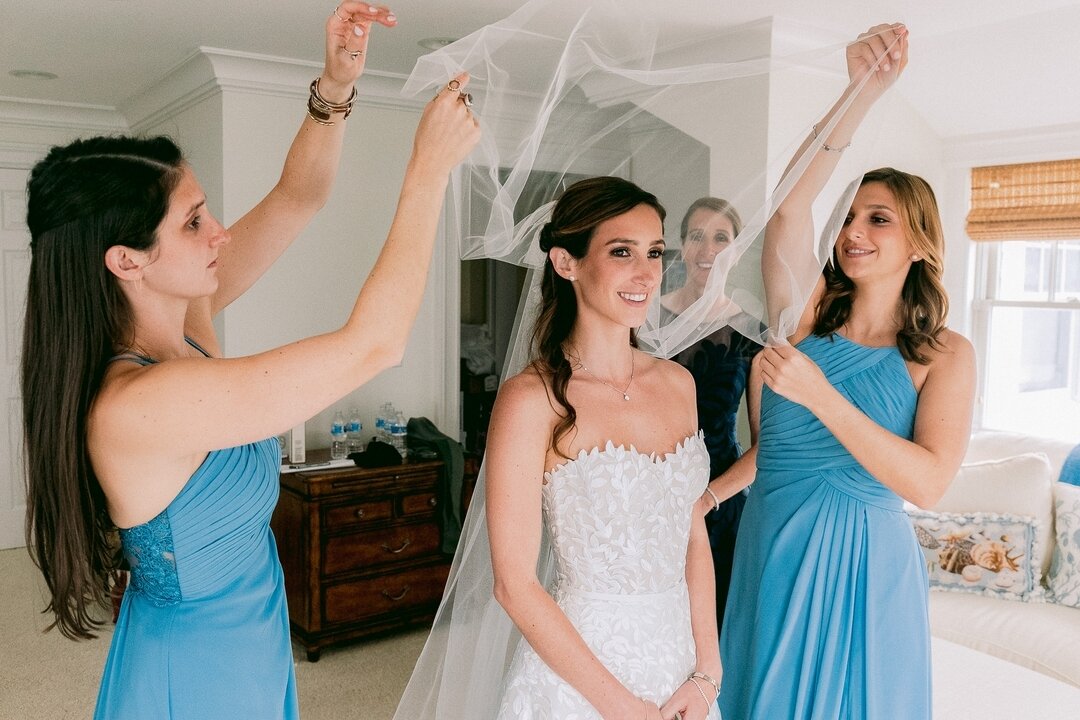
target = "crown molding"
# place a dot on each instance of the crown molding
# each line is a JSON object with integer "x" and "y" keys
{"x": 1053, "y": 142}
{"x": 62, "y": 115}
{"x": 210, "y": 71}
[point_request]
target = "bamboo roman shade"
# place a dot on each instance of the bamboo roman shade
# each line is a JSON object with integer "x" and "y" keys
{"x": 1026, "y": 201}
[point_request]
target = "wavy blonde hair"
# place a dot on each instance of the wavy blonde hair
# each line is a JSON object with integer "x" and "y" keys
{"x": 924, "y": 305}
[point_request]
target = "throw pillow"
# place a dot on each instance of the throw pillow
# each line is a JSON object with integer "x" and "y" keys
{"x": 1017, "y": 485}
{"x": 1064, "y": 579}
{"x": 983, "y": 553}
{"x": 1070, "y": 469}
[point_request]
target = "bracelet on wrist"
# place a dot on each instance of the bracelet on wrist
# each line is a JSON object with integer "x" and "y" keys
{"x": 704, "y": 697}
{"x": 829, "y": 148}
{"x": 702, "y": 676}
{"x": 716, "y": 500}
{"x": 320, "y": 109}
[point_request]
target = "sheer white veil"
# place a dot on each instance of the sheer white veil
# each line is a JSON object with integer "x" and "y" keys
{"x": 566, "y": 90}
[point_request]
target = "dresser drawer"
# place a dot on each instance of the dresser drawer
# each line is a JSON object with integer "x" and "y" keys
{"x": 418, "y": 504}
{"x": 389, "y": 593}
{"x": 343, "y": 516}
{"x": 393, "y": 544}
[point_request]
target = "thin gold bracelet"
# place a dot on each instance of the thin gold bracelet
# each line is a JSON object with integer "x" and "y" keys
{"x": 829, "y": 148}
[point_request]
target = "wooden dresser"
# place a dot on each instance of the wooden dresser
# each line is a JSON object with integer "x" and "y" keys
{"x": 360, "y": 550}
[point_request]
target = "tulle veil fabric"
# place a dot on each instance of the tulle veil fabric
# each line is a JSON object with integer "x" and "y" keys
{"x": 713, "y": 106}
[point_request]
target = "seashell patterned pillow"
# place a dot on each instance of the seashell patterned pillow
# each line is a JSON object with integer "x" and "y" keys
{"x": 985, "y": 553}
{"x": 1064, "y": 578}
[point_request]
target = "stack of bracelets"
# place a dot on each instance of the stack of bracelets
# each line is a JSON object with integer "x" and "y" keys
{"x": 320, "y": 109}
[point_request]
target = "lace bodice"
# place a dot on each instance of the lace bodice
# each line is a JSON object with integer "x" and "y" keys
{"x": 619, "y": 520}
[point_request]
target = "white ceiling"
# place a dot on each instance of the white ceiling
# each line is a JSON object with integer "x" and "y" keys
{"x": 978, "y": 66}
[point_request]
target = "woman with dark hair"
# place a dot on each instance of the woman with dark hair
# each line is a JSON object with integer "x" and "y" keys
{"x": 133, "y": 421}
{"x": 868, "y": 406}
{"x": 720, "y": 365}
{"x": 595, "y": 445}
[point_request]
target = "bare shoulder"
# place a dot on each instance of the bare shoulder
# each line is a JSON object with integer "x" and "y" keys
{"x": 527, "y": 393}
{"x": 953, "y": 352}
{"x": 670, "y": 378}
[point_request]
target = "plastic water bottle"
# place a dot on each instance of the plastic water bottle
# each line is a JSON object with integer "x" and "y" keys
{"x": 380, "y": 423}
{"x": 399, "y": 434}
{"x": 354, "y": 443}
{"x": 337, "y": 437}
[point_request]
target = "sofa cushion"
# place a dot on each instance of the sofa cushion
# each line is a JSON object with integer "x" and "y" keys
{"x": 1040, "y": 636}
{"x": 982, "y": 553}
{"x": 1017, "y": 485}
{"x": 998, "y": 444}
{"x": 1064, "y": 578}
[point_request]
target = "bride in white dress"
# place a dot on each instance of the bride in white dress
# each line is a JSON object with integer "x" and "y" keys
{"x": 597, "y": 443}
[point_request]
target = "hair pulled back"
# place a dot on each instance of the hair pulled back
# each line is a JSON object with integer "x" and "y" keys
{"x": 82, "y": 199}
{"x": 580, "y": 209}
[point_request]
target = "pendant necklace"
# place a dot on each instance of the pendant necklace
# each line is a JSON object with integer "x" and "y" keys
{"x": 622, "y": 392}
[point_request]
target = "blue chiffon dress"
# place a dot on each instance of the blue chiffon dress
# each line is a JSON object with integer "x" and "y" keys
{"x": 203, "y": 630}
{"x": 827, "y": 615}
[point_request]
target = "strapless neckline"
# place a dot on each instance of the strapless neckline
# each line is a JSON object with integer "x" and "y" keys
{"x": 610, "y": 448}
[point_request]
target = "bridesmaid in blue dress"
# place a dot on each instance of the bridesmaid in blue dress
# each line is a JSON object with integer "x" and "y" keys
{"x": 869, "y": 405}
{"x": 133, "y": 420}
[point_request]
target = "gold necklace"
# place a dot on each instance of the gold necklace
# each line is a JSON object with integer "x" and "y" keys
{"x": 622, "y": 392}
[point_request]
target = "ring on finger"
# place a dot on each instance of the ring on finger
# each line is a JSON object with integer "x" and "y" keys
{"x": 453, "y": 85}
{"x": 352, "y": 53}
{"x": 466, "y": 98}
{"x": 339, "y": 16}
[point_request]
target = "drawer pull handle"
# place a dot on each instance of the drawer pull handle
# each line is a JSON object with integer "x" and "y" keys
{"x": 404, "y": 545}
{"x": 432, "y": 502}
{"x": 395, "y": 598}
{"x": 360, "y": 514}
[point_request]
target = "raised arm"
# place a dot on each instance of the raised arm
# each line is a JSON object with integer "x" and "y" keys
{"x": 261, "y": 235}
{"x": 515, "y": 461}
{"x": 169, "y": 415}
{"x": 789, "y": 234}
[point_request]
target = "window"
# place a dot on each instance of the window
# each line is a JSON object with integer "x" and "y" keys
{"x": 1027, "y": 317}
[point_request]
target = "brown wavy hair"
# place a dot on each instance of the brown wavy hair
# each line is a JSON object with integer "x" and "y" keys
{"x": 82, "y": 199}
{"x": 924, "y": 305}
{"x": 582, "y": 207}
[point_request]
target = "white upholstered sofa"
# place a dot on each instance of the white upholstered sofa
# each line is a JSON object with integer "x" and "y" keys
{"x": 1008, "y": 477}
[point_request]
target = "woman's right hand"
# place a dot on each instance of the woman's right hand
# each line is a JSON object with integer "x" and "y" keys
{"x": 883, "y": 45}
{"x": 447, "y": 132}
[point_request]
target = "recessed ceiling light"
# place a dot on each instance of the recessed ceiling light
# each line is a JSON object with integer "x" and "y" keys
{"x": 434, "y": 43}
{"x": 33, "y": 75}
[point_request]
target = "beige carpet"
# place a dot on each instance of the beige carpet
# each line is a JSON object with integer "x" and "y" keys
{"x": 47, "y": 677}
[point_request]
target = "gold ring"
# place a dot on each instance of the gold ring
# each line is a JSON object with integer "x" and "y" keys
{"x": 339, "y": 17}
{"x": 466, "y": 98}
{"x": 353, "y": 53}
{"x": 453, "y": 85}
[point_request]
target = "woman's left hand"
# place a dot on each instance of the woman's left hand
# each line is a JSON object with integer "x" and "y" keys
{"x": 881, "y": 50}
{"x": 688, "y": 702}
{"x": 790, "y": 373}
{"x": 347, "y": 31}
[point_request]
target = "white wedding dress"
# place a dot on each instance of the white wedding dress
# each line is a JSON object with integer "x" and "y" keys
{"x": 619, "y": 523}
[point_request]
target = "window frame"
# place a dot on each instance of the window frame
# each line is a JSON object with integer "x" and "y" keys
{"x": 987, "y": 267}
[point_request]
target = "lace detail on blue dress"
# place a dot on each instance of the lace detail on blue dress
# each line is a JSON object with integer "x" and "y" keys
{"x": 149, "y": 551}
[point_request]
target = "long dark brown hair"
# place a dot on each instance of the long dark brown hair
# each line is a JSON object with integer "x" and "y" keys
{"x": 924, "y": 305}
{"x": 82, "y": 199}
{"x": 582, "y": 207}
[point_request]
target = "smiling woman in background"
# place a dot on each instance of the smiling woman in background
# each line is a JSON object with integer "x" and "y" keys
{"x": 133, "y": 420}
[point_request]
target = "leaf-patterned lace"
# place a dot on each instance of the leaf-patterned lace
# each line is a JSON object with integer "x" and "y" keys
{"x": 149, "y": 551}
{"x": 619, "y": 524}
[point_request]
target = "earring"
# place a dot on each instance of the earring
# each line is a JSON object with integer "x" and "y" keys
{"x": 571, "y": 278}
{"x": 914, "y": 258}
